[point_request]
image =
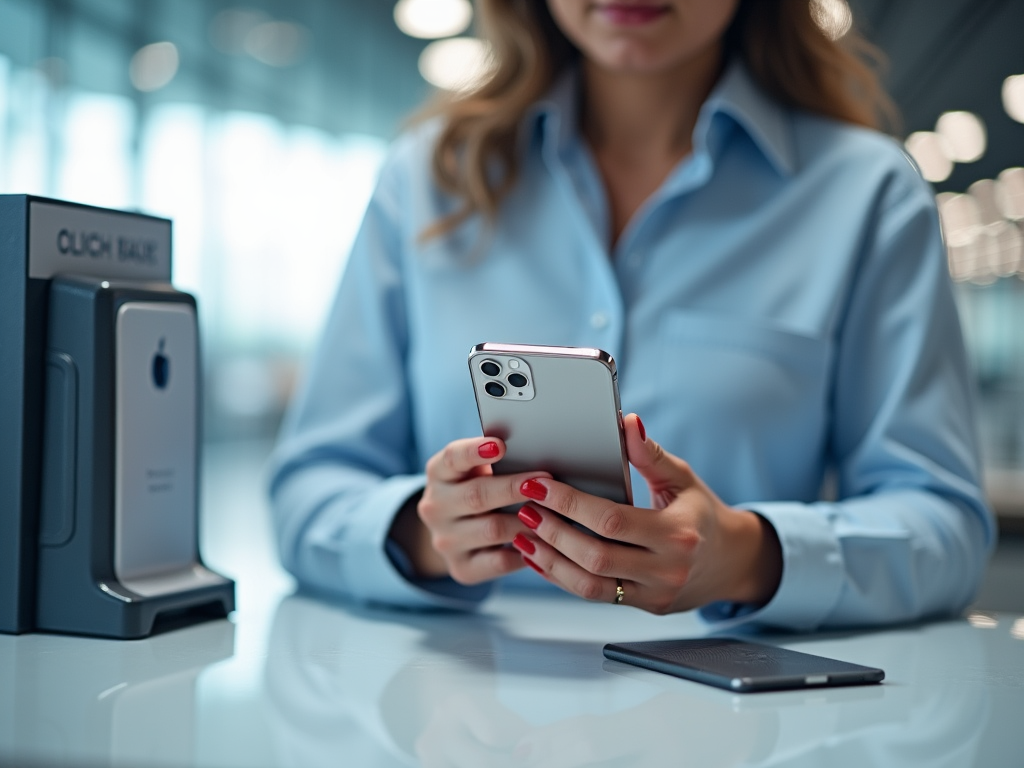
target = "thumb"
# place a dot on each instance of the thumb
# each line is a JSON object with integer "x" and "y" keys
{"x": 663, "y": 472}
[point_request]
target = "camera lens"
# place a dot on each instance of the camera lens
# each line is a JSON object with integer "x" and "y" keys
{"x": 490, "y": 368}
{"x": 517, "y": 380}
{"x": 494, "y": 389}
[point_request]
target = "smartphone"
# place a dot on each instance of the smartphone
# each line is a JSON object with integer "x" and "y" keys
{"x": 557, "y": 410}
{"x": 738, "y": 665}
{"x": 155, "y": 438}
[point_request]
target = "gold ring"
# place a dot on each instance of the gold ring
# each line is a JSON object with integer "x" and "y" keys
{"x": 620, "y": 593}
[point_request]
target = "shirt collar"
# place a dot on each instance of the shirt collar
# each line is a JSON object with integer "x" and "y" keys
{"x": 764, "y": 120}
{"x": 554, "y": 119}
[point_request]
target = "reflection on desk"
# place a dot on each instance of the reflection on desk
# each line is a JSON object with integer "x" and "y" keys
{"x": 449, "y": 690}
{"x": 77, "y": 701}
{"x": 523, "y": 683}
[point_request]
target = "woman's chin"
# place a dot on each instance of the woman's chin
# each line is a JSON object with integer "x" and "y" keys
{"x": 632, "y": 59}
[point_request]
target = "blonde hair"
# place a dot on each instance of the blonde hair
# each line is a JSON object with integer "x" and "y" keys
{"x": 785, "y": 50}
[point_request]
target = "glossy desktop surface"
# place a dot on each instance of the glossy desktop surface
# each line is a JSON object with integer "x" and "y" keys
{"x": 293, "y": 680}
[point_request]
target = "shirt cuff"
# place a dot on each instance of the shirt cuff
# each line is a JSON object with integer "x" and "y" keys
{"x": 812, "y": 572}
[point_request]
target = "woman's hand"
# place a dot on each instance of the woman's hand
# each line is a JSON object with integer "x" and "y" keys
{"x": 454, "y": 528}
{"x": 690, "y": 550}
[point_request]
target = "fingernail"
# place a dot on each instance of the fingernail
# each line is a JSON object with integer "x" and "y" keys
{"x": 531, "y": 489}
{"x": 523, "y": 544}
{"x": 640, "y": 426}
{"x": 531, "y": 518}
{"x": 488, "y": 450}
{"x": 532, "y": 564}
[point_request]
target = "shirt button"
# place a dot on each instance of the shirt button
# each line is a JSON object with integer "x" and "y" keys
{"x": 598, "y": 320}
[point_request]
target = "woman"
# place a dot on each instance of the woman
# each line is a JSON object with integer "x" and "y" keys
{"x": 693, "y": 186}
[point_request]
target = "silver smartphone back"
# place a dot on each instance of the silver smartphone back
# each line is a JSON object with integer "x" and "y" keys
{"x": 557, "y": 409}
{"x": 156, "y": 361}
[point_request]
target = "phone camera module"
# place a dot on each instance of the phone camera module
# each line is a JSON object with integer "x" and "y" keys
{"x": 490, "y": 368}
{"x": 517, "y": 380}
{"x": 493, "y": 388}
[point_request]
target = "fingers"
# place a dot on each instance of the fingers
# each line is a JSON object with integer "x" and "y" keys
{"x": 475, "y": 548}
{"x": 478, "y": 532}
{"x": 444, "y": 503}
{"x": 461, "y": 458}
{"x": 570, "y": 576}
{"x": 667, "y": 475}
{"x": 563, "y": 572}
{"x": 575, "y": 560}
{"x": 457, "y": 510}
{"x": 660, "y": 554}
{"x": 592, "y": 568}
{"x": 483, "y": 565}
{"x": 603, "y": 517}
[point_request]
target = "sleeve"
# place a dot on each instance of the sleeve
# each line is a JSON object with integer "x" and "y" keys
{"x": 911, "y": 533}
{"x": 346, "y": 459}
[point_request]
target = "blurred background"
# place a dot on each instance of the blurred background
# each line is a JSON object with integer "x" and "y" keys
{"x": 259, "y": 128}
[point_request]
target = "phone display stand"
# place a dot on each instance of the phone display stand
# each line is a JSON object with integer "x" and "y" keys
{"x": 98, "y": 503}
{"x": 105, "y": 516}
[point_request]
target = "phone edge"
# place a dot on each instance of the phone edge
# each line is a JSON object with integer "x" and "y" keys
{"x": 592, "y": 353}
{"x": 863, "y": 675}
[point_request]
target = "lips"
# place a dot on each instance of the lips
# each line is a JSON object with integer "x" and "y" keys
{"x": 632, "y": 14}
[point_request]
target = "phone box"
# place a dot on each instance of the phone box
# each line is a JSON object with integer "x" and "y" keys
{"x": 81, "y": 290}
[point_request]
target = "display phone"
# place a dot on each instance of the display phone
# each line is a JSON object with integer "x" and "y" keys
{"x": 737, "y": 665}
{"x": 557, "y": 410}
{"x": 156, "y": 421}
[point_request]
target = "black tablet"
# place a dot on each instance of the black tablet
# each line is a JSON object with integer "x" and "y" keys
{"x": 738, "y": 665}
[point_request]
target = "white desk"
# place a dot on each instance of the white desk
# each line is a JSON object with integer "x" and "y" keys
{"x": 292, "y": 681}
{"x": 322, "y": 685}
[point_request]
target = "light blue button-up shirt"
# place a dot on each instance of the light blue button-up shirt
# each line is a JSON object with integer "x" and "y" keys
{"x": 780, "y": 312}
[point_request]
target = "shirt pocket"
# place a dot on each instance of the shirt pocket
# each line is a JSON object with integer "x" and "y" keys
{"x": 751, "y": 402}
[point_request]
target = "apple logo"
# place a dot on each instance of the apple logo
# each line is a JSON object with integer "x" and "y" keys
{"x": 161, "y": 367}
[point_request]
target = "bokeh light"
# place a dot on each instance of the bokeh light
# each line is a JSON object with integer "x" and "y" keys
{"x": 1013, "y": 97}
{"x": 965, "y": 135}
{"x": 431, "y": 19}
{"x": 153, "y": 66}
{"x": 834, "y": 17}
{"x": 455, "y": 64}
{"x": 932, "y": 153}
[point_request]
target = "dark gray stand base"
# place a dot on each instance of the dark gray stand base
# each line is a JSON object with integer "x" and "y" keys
{"x": 110, "y": 610}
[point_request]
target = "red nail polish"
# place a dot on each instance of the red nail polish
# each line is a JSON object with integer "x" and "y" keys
{"x": 640, "y": 426}
{"x": 488, "y": 450}
{"x": 523, "y": 544}
{"x": 531, "y": 489}
{"x": 531, "y": 517}
{"x": 533, "y": 565}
